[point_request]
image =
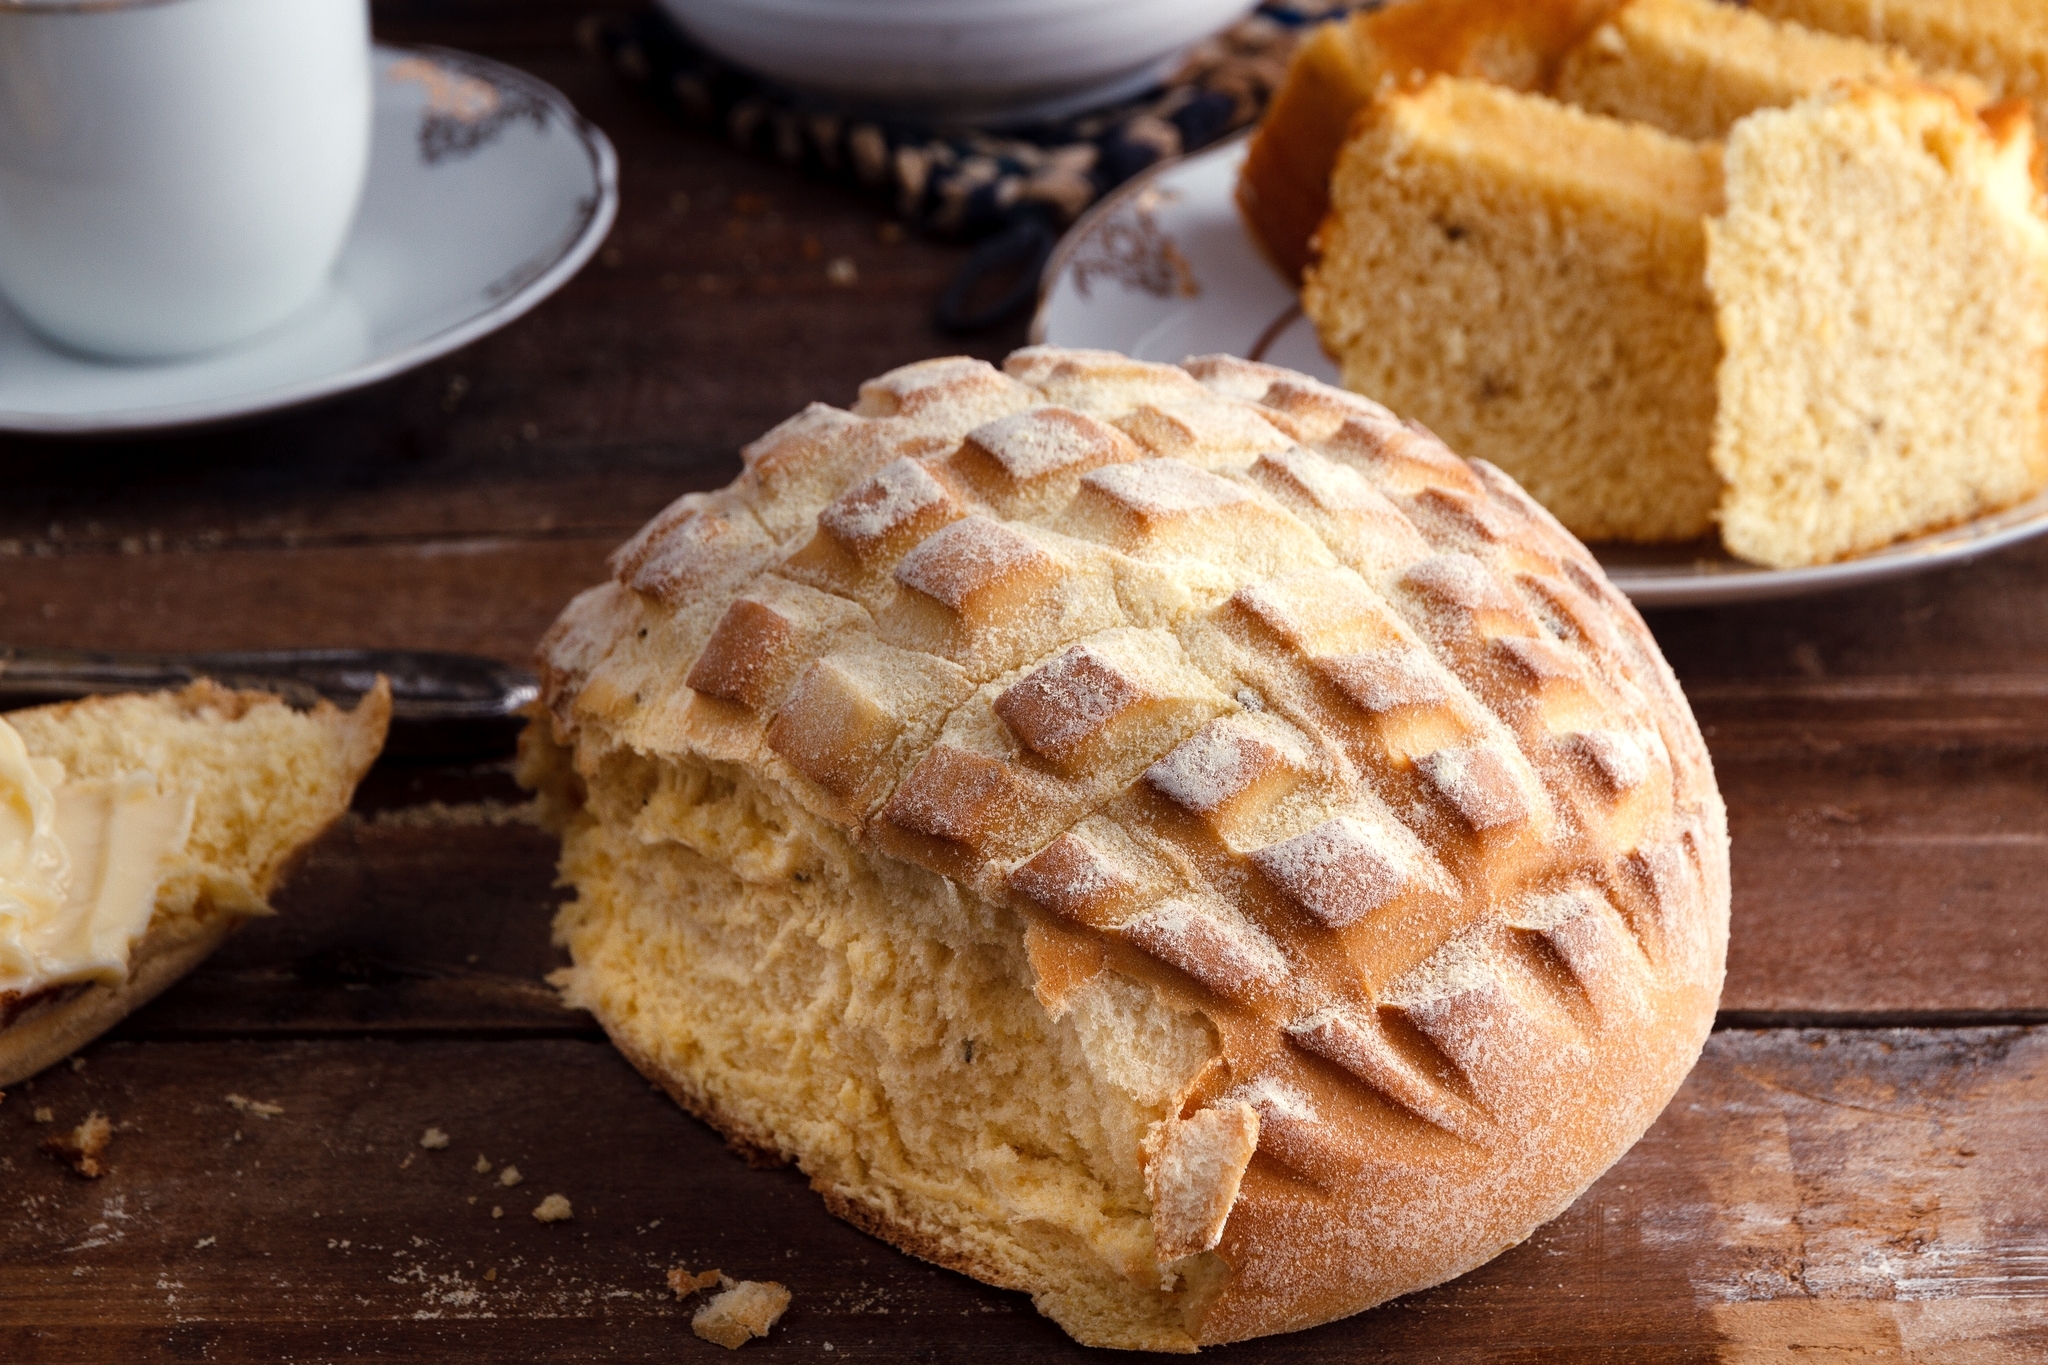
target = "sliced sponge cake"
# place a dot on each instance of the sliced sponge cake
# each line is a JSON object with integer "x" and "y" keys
{"x": 1693, "y": 67}
{"x": 1340, "y": 68}
{"x": 2003, "y": 43}
{"x": 1529, "y": 281}
{"x": 1882, "y": 281}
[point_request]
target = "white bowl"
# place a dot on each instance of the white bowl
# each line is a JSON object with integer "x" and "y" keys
{"x": 983, "y": 61}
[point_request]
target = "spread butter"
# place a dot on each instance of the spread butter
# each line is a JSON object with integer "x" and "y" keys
{"x": 80, "y": 863}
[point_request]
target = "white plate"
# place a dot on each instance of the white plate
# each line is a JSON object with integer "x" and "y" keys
{"x": 486, "y": 193}
{"x": 1163, "y": 269}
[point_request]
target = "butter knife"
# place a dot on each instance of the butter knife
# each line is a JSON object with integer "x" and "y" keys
{"x": 442, "y": 705}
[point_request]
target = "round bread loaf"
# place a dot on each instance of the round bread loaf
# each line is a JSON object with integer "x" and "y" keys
{"x": 1172, "y": 839}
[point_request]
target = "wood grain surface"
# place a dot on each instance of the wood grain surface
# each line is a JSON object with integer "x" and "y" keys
{"x": 1858, "y": 1169}
{"x": 1842, "y": 1194}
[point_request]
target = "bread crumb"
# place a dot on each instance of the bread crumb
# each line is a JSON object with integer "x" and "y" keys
{"x": 78, "y": 1063}
{"x": 409, "y": 1158}
{"x": 433, "y": 1139}
{"x": 82, "y": 1147}
{"x": 244, "y": 1105}
{"x": 497, "y": 1210}
{"x": 203, "y": 1243}
{"x": 491, "y": 1274}
{"x": 739, "y": 1314}
{"x": 510, "y": 1176}
{"x": 686, "y": 1284}
{"x": 483, "y": 1167}
{"x": 553, "y": 1209}
{"x": 44, "y": 1114}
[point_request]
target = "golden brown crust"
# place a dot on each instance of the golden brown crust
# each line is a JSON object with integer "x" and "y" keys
{"x": 48, "y": 1031}
{"x": 759, "y": 1150}
{"x": 1295, "y": 719}
{"x": 913, "y": 1240}
{"x": 1283, "y": 190}
{"x": 751, "y": 1145}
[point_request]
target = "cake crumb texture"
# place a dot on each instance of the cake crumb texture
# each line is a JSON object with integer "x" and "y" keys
{"x": 1693, "y": 68}
{"x": 2002, "y": 43}
{"x": 1882, "y": 280}
{"x": 1338, "y": 69}
{"x": 265, "y": 781}
{"x": 1528, "y": 281}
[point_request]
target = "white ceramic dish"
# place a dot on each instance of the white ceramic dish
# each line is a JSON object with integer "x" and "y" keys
{"x": 486, "y": 193}
{"x": 1163, "y": 269}
{"x": 980, "y": 61}
{"x": 180, "y": 176}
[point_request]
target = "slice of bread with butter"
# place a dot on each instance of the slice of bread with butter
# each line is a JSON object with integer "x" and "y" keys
{"x": 137, "y": 831}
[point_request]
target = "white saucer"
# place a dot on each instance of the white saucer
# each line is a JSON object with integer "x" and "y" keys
{"x": 487, "y": 191}
{"x": 1163, "y": 269}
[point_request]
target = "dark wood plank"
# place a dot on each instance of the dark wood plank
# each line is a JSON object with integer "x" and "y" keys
{"x": 1985, "y": 623}
{"x": 1887, "y": 840}
{"x": 1836, "y": 1193}
{"x": 1887, "y": 836}
{"x": 479, "y": 595}
{"x": 428, "y": 922}
{"x": 1983, "y": 617}
{"x": 1821, "y": 1195}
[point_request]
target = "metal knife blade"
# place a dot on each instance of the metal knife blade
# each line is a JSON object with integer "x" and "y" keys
{"x": 442, "y": 705}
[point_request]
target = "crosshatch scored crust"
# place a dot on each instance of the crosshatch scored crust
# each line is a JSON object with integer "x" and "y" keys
{"x": 1207, "y": 700}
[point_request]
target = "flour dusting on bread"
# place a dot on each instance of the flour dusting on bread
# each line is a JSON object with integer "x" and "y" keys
{"x": 1118, "y": 887}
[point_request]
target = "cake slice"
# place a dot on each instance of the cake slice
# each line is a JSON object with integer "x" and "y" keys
{"x": 137, "y": 831}
{"x": 2003, "y": 43}
{"x": 1881, "y": 276}
{"x": 1528, "y": 280}
{"x": 1340, "y": 67}
{"x": 1693, "y": 67}
{"x": 1283, "y": 190}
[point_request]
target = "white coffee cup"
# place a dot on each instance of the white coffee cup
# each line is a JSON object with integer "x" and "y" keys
{"x": 177, "y": 175}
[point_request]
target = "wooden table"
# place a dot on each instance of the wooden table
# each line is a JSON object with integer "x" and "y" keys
{"x": 1858, "y": 1168}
